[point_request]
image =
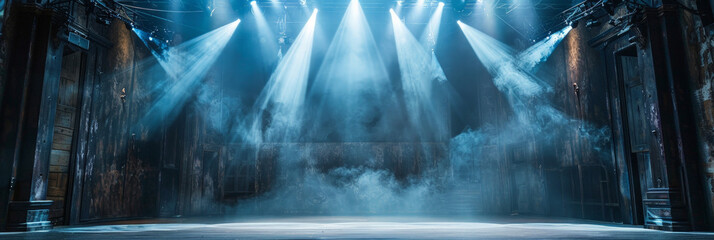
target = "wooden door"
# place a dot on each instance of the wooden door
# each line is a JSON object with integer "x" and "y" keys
{"x": 64, "y": 134}
{"x": 645, "y": 173}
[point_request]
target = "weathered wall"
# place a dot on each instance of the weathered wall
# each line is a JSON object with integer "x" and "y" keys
{"x": 579, "y": 173}
{"x": 64, "y": 129}
{"x": 657, "y": 108}
{"x": 700, "y": 50}
{"x": 121, "y": 155}
{"x": 123, "y": 166}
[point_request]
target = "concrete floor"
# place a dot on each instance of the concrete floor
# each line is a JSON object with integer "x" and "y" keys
{"x": 357, "y": 228}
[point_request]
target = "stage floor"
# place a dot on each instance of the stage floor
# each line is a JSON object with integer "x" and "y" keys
{"x": 357, "y": 228}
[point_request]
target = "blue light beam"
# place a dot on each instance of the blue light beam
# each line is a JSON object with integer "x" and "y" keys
{"x": 352, "y": 93}
{"x": 284, "y": 94}
{"x": 540, "y": 51}
{"x": 430, "y": 36}
{"x": 186, "y": 65}
{"x": 417, "y": 66}
{"x": 513, "y": 76}
{"x": 499, "y": 60}
{"x": 266, "y": 37}
{"x": 418, "y": 9}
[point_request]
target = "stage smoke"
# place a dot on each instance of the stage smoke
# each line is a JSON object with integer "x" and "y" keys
{"x": 535, "y": 118}
{"x": 352, "y": 97}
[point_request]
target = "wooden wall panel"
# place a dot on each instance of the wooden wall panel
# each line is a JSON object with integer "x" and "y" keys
{"x": 64, "y": 129}
{"x": 121, "y": 164}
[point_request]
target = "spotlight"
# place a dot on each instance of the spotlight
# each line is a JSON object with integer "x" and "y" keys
{"x": 303, "y": 2}
{"x": 441, "y": 4}
{"x": 391, "y": 10}
{"x": 253, "y": 3}
{"x": 400, "y": 2}
{"x": 574, "y": 24}
{"x": 459, "y": 22}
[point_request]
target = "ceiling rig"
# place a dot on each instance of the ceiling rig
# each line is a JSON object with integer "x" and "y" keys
{"x": 622, "y": 13}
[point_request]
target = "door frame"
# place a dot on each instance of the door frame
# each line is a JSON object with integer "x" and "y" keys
{"x": 92, "y": 62}
{"x": 633, "y": 172}
{"x": 69, "y": 196}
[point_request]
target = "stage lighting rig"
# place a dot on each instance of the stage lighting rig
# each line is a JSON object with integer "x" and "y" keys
{"x": 622, "y": 15}
{"x": 594, "y": 10}
{"x": 574, "y": 24}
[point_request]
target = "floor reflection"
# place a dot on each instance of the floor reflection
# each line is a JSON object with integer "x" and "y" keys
{"x": 357, "y": 228}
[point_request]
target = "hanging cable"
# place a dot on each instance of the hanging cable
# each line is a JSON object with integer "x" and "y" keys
{"x": 159, "y": 10}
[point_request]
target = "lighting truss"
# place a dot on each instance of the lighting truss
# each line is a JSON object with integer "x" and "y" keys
{"x": 372, "y": 4}
{"x": 594, "y": 9}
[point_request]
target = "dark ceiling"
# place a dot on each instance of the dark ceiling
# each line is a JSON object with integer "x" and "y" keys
{"x": 159, "y": 12}
{"x": 502, "y": 5}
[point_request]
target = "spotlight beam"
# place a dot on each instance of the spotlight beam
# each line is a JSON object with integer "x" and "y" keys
{"x": 267, "y": 39}
{"x": 284, "y": 94}
{"x": 490, "y": 51}
{"x": 352, "y": 96}
{"x": 540, "y": 51}
{"x": 186, "y": 65}
{"x": 513, "y": 76}
{"x": 417, "y": 66}
{"x": 431, "y": 34}
{"x": 418, "y": 9}
{"x": 499, "y": 60}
